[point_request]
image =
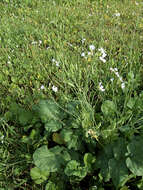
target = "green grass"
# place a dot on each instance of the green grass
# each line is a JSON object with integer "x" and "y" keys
{"x": 32, "y": 34}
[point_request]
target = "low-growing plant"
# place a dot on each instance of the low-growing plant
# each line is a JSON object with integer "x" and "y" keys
{"x": 66, "y": 153}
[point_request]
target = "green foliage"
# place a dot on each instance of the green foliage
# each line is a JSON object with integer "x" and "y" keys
{"x": 51, "y": 186}
{"x": 134, "y": 160}
{"x": 108, "y": 108}
{"x": 89, "y": 161}
{"x": 47, "y": 111}
{"x": 38, "y": 176}
{"x": 75, "y": 170}
{"x": 50, "y": 160}
{"x": 71, "y": 115}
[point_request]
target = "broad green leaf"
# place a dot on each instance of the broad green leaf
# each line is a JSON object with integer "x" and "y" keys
{"x": 25, "y": 117}
{"x": 108, "y": 108}
{"x": 119, "y": 149}
{"x": 66, "y": 134}
{"x": 89, "y": 160}
{"x": 102, "y": 162}
{"x": 73, "y": 168}
{"x": 73, "y": 108}
{"x": 48, "y": 110}
{"x": 49, "y": 160}
{"x": 39, "y": 176}
{"x": 73, "y": 123}
{"x": 53, "y": 126}
{"x": 71, "y": 139}
{"x": 135, "y": 157}
{"x": 56, "y": 137}
{"x": 118, "y": 172}
{"x": 51, "y": 186}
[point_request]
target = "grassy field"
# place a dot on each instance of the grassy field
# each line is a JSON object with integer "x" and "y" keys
{"x": 90, "y": 51}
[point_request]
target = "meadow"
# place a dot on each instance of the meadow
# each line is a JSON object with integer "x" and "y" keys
{"x": 71, "y": 94}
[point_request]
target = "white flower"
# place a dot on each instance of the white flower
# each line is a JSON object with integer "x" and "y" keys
{"x": 92, "y": 47}
{"x": 123, "y": 85}
{"x": 89, "y": 53}
{"x": 53, "y": 60}
{"x": 42, "y": 87}
{"x": 104, "y": 55}
{"x": 34, "y": 43}
{"x": 111, "y": 69}
{"x": 54, "y": 88}
{"x": 1, "y": 138}
{"x": 101, "y": 50}
{"x": 136, "y": 3}
{"x": 83, "y": 40}
{"x": 40, "y": 42}
{"x": 115, "y": 70}
{"x": 102, "y": 59}
{"x": 82, "y": 54}
{"x": 120, "y": 78}
{"x": 8, "y": 62}
{"x": 111, "y": 79}
{"x": 117, "y": 14}
{"x": 117, "y": 74}
{"x": 57, "y": 64}
{"x": 101, "y": 88}
{"x": 70, "y": 44}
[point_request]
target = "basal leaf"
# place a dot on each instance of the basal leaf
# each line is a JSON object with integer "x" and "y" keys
{"x": 51, "y": 186}
{"x": 49, "y": 160}
{"x": 102, "y": 162}
{"x": 108, "y": 108}
{"x": 73, "y": 168}
{"x": 25, "y": 117}
{"x": 89, "y": 160}
{"x": 38, "y": 176}
{"x": 56, "y": 137}
{"x": 71, "y": 139}
{"x": 118, "y": 172}
{"x": 48, "y": 110}
{"x": 119, "y": 149}
{"x": 53, "y": 126}
{"x": 135, "y": 157}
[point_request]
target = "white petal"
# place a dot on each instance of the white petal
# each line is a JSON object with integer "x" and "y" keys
{"x": 42, "y": 87}
{"x": 123, "y": 85}
{"x": 102, "y": 59}
{"x": 89, "y": 53}
{"x": 54, "y": 88}
{"x": 92, "y": 47}
{"x": 82, "y": 54}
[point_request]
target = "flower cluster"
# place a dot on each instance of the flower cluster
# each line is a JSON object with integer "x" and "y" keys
{"x": 115, "y": 71}
{"x": 2, "y": 139}
{"x": 54, "y": 88}
{"x": 102, "y": 57}
{"x": 101, "y": 87}
{"x": 89, "y": 53}
{"x": 57, "y": 63}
